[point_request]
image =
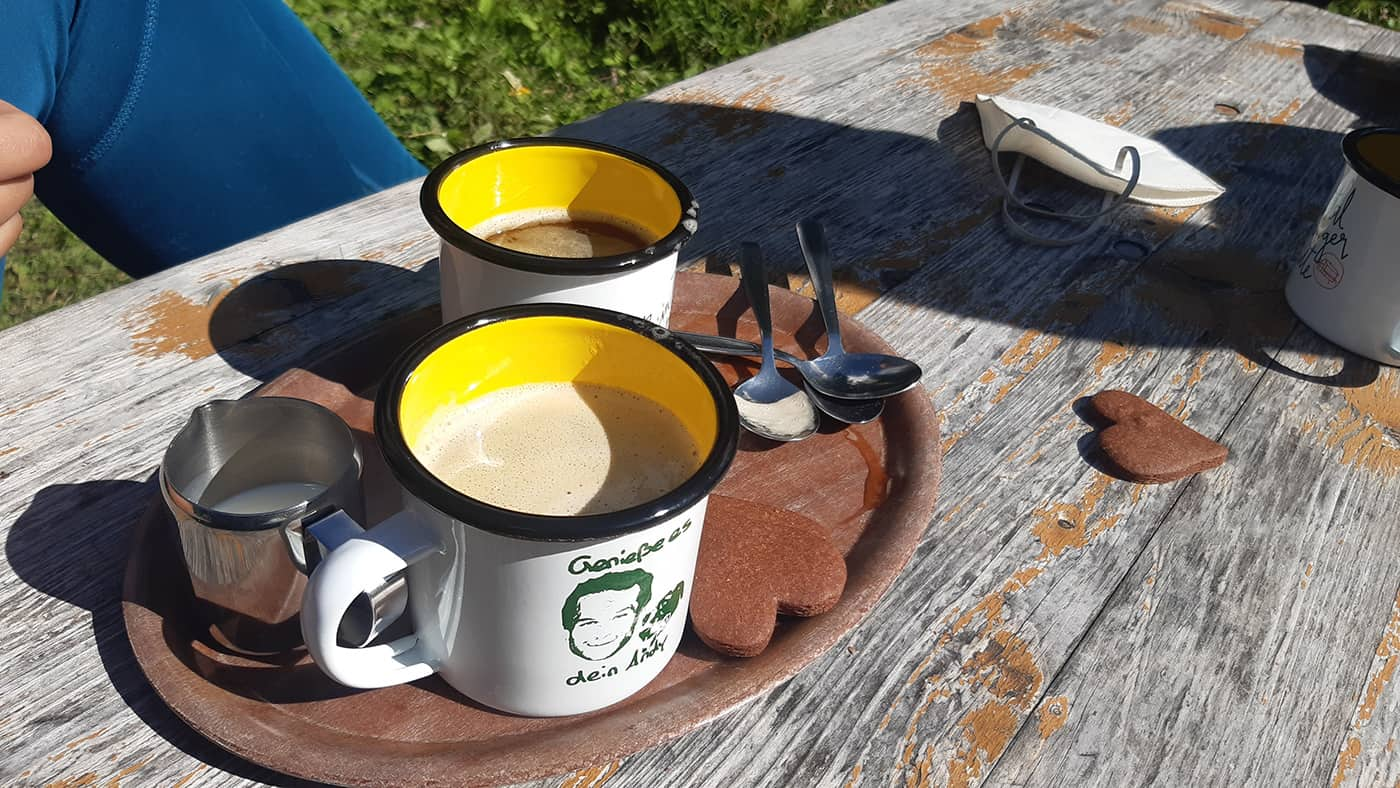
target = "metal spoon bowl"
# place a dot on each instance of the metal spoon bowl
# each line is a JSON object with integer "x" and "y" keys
{"x": 882, "y": 375}
{"x": 849, "y": 411}
{"x": 856, "y": 376}
{"x": 769, "y": 405}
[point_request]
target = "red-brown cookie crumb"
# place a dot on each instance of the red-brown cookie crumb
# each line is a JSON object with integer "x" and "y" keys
{"x": 1147, "y": 445}
{"x": 756, "y": 562}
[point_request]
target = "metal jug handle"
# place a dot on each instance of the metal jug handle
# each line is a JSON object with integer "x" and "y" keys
{"x": 310, "y": 540}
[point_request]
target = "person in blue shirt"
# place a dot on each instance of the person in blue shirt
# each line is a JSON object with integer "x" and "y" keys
{"x": 161, "y": 130}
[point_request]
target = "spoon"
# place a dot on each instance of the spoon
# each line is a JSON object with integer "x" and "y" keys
{"x": 819, "y": 269}
{"x": 877, "y": 374}
{"x": 850, "y": 411}
{"x": 871, "y": 375}
{"x": 833, "y": 383}
{"x": 769, "y": 405}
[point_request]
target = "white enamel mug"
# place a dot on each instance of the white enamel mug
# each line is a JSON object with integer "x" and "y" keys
{"x": 530, "y": 614}
{"x": 1346, "y": 285}
{"x": 524, "y": 178}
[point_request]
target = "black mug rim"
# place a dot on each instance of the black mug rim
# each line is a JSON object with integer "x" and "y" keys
{"x": 458, "y": 236}
{"x": 1364, "y": 168}
{"x": 418, "y": 481}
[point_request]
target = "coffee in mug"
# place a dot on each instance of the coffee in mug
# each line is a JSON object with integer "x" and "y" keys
{"x": 559, "y": 449}
{"x": 557, "y": 220}
{"x": 558, "y": 234}
{"x": 555, "y": 461}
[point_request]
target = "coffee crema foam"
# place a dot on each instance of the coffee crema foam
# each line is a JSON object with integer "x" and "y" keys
{"x": 563, "y": 233}
{"x": 559, "y": 449}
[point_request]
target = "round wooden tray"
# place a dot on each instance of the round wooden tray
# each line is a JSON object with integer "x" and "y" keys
{"x": 873, "y": 485}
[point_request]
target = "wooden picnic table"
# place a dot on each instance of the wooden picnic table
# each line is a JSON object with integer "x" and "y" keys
{"x": 1056, "y": 625}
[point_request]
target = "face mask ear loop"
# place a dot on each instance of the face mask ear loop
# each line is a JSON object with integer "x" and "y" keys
{"x": 1111, "y": 203}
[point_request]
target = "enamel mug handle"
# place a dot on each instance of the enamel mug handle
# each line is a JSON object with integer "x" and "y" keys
{"x": 358, "y": 566}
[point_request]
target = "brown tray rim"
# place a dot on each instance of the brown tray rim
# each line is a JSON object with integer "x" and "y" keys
{"x": 906, "y": 514}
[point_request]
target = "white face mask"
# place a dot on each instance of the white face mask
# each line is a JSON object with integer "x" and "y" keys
{"x": 1123, "y": 164}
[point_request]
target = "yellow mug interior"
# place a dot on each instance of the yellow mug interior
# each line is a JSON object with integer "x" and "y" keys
{"x": 584, "y": 181}
{"x": 555, "y": 349}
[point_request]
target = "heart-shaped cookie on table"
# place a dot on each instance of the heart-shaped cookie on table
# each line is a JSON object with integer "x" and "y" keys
{"x": 1147, "y": 444}
{"x": 755, "y": 562}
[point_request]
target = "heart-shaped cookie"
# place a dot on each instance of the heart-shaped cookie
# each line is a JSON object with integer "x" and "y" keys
{"x": 1147, "y": 444}
{"x": 756, "y": 562}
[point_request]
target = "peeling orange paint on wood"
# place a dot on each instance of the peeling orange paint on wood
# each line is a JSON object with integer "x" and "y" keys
{"x": 1284, "y": 50}
{"x": 1198, "y": 371}
{"x": 1066, "y": 32}
{"x": 174, "y": 323}
{"x": 74, "y": 782}
{"x": 947, "y": 69}
{"x": 592, "y": 777}
{"x": 923, "y": 769}
{"x": 189, "y": 776}
{"x": 906, "y": 756}
{"x": 1119, "y": 116}
{"x": 968, "y": 38}
{"x": 1142, "y": 24}
{"x": 987, "y": 377}
{"x": 1006, "y": 669}
{"x": 987, "y": 730}
{"x": 949, "y": 442}
{"x": 1053, "y": 714}
{"x": 1282, "y": 116}
{"x": 1112, "y": 353}
{"x": 116, "y": 780}
{"x": 1025, "y": 356}
{"x": 1388, "y": 650}
{"x": 1346, "y": 760}
{"x": 855, "y": 776}
{"x": 30, "y": 404}
{"x": 1065, "y": 526}
{"x": 1366, "y": 427}
{"x": 1226, "y": 26}
{"x": 958, "y": 81}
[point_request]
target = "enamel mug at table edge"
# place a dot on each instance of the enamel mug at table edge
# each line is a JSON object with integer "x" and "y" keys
{"x": 503, "y": 177}
{"x": 500, "y": 600}
{"x": 1346, "y": 284}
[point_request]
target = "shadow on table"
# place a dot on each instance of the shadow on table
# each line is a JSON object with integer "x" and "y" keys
{"x": 71, "y": 544}
{"x": 914, "y": 216}
{"x": 273, "y": 322}
{"x": 1364, "y": 83}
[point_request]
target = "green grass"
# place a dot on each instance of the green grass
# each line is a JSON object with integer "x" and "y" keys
{"x": 1385, "y": 13}
{"x": 447, "y": 74}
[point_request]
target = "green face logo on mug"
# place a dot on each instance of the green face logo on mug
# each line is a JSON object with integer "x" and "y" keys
{"x": 601, "y": 614}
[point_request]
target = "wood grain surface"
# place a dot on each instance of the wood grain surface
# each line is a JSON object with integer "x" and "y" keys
{"x": 1056, "y": 625}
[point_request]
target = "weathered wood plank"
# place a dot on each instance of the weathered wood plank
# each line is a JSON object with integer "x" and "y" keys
{"x": 1225, "y": 656}
{"x": 1231, "y": 653}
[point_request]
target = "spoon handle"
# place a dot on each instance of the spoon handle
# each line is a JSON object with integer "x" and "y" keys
{"x": 813, "y": 242}
{"x": 756, "y": 288}
{"x": 729, "y": 346}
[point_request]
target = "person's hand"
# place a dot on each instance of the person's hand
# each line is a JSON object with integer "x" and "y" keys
{"x": 24, "y": 148}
